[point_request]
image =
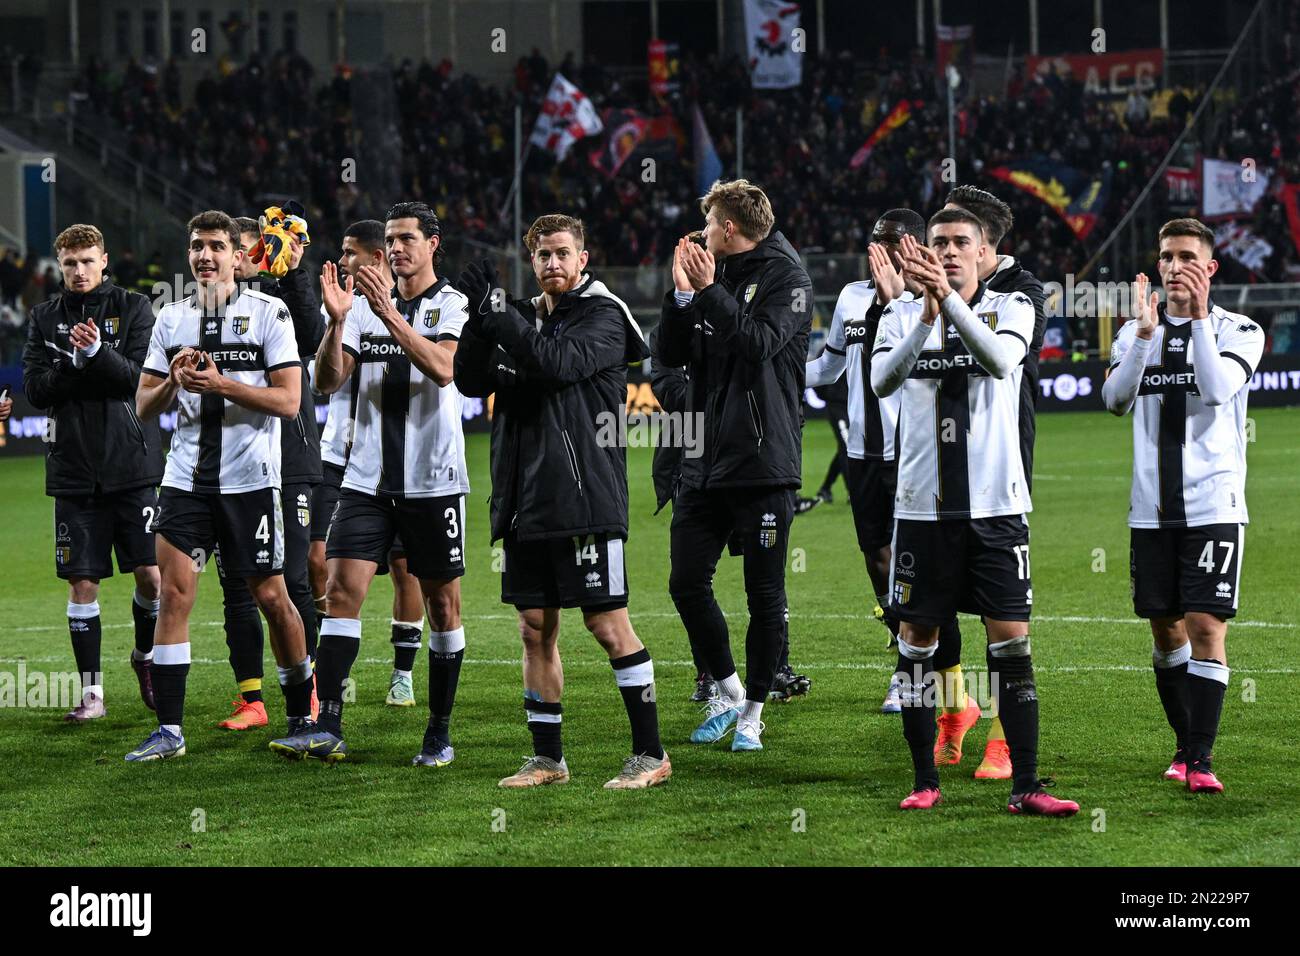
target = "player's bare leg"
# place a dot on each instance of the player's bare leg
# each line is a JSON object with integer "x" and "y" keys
{"x": 408, "y": 632}
{"x": 289, "y": 645}
{"x": 539, "y": 631}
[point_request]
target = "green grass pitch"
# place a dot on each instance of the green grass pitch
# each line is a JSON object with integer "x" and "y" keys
{"x": 826, "y": 789}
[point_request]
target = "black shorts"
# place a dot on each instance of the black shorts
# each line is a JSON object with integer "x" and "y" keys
{"x": 366, "y": 526}
{"x": 88, "y": 529}
{"x": 871, "y": 485}
{"x": 324, "y": 497}
{"x": 977, "y": 565}
{"x": 1176, "y": 570}
{"x": 247, "y": 529}
{"x": 586, "y": 572}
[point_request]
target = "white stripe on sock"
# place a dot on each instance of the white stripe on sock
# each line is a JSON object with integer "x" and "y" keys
{"x": 341, "y": 627}
{"x": 165, "y": 654}
{"x": 1175, "y": 658}
{"x": 1210, "y": 670}
{"x": 83, "y": 610}
{"x": 638, "y": 675}
{"x": 447, "y": 642}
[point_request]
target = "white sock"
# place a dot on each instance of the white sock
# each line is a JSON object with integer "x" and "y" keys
{"x": 406, "y": 674}
{"x": 173, "y": 729}
{"x": 751, "y": 711}
{"x": 96, "y": 689}
{"x": 137, "y": 656}
{"x": 731, "y": 688}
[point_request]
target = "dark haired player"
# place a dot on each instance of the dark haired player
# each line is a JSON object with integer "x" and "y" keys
{"x": 406, "y": 469}
{"x": 961, "y": 540}
{"x": 229, "y": 355}
{"x": 1184, "y": 369}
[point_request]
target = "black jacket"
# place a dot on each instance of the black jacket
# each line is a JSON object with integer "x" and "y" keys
{"x": 744, "y": 342}
{"x": 97, "y": 443}
{"x": 558, "y": 468}
{"x": 1012, "y": 277}
{"x": 299, "y": 437}
{"x": 669, "y": 385}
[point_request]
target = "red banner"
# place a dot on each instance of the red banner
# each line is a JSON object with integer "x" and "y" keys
{"x": 664, "y": 63}
{"x": 899, "y": 115}
{"x": 1290, "y": 196}
{"x": 1104, "y": 74}
{"x": 1182, "y": 186}
{"x": 625, "y": 128}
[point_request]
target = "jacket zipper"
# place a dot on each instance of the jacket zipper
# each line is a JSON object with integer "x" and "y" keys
{"x": 755, "y": 417}
{"x": 573, "y": 458}
{"x": 136, "y": 422}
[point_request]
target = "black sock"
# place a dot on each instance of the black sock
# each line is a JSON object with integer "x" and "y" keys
{"x": 544, "y": 723}
{"x": 84, "y": 628}
{"x": 949, "y": 651}
{"x": 635, "y": 675}
{"x": 444, "y": 675}
{"x": 1175, "y": 697}
{"x": 297, "y": 693}
{"x": 918, "y": 698}
{"x": 1013, "y": 674}
{"x": 340, "y": 642}
{"x": 169, "y": 691}
{"x": 245, "y": 640}
{"x": 146, "y": 619}
{"x": 1205, "y": 693}
{"x": 406, "y": 644}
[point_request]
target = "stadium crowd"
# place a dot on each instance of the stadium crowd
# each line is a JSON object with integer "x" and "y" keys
{"x": 285, "y": 130}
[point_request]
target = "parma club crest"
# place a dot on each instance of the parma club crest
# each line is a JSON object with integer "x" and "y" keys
{"x": 431, "y": 317}
{"x": 110, "y": 325}
{"x": 304, "y": 511}
{"x": 902, "y": 592}
{"x": 239, "y": 324}
{"x": 62, "y": 554}
{"x": 990, "y": 319}
{"x": 749, "y": 292}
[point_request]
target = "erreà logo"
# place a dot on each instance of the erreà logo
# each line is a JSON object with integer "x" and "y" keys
{"x": 1175, "y": 345}
{"x": 77, "y": 909}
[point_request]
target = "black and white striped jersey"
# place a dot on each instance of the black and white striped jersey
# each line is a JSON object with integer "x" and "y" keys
{"x": 872, "y": 420}
{"x": 406, "y": 439}
{"x": 1189, "y": 420}
{"x": 959, "y": 427}
{"x": 219, "y": 447}
{"x": 336, "y": 436}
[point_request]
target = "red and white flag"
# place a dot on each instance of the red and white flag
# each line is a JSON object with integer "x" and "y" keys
{"x": 567, "y": 116}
